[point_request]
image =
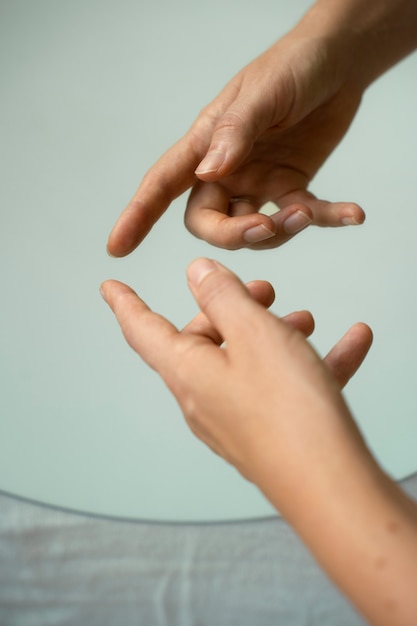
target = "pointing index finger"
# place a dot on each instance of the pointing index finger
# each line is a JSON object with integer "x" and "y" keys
{"x": 171, "y": 176}
{"x": 148, "y": 333}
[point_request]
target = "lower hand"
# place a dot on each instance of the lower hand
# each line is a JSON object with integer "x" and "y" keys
{"x": 264, "y": 384}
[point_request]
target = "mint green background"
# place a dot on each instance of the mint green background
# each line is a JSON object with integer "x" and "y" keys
{"x": 91, "y": 93}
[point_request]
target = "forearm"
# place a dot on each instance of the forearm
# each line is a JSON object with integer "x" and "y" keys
{"x": 372, "y": 35}
{"x": 368, "y": 546}
{"x": 358, "y": 524}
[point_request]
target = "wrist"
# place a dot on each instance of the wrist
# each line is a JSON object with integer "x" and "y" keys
{"x": 366, "y": 38}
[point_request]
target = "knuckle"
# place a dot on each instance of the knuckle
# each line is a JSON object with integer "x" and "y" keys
{"x": 230, "y": 122}
{"x": 199, "y": 222}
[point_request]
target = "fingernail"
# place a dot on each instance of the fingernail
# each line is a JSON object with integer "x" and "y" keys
{"x": 211, "y": 162}
{"x": 349, "y": 221}
{"x": 103, "y": 295}
{"x": 199, "y": 269}
{"x": 257, "y": 233}
{"x": 296, "y": 222}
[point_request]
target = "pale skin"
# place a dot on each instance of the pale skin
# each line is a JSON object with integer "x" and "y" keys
{"x": 271, "y": 407}
{"x": 265, "y": 401}
{"x": 263, "y": 138}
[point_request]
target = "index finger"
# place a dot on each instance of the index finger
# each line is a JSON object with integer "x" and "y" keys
{"x": 148, "y": 333}
{"x": 171, "y": 175}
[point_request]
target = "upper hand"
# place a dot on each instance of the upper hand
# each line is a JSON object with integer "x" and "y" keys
{"x": 262, "y": 139}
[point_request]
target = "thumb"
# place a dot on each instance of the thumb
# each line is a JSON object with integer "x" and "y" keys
{"x": 224, "y": 299}
{"x": 232, "y": 140}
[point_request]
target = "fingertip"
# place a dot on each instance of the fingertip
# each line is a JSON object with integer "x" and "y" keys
{"x": 258, "y": 233}
{"x": 284, "y": 225}
{"x": 199, "y": 269}
{"x": 122, "y": 240}
{"x": 297, "y": 221}
{"x": 356, "y": 217}
{"x": 302, "y": 321}
{"x": 365, "y": 331}
{"x": 132, "y": 226}
{"x": 109, "y": 252}
{"x": 112, "y": 289}
{"x": 349, "y": 214}
{"x": 107, "y": 289}
{"x": 117, "y": 247}
{"x": 103, "y": 292}
{"x": 211, "y": 164}
{"x": 262, "y": 291}
{"x": 232, "y": 139}
{"x": 223, "y": 298}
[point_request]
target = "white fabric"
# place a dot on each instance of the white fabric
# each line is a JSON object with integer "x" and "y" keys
{"x": 59, "y": 568}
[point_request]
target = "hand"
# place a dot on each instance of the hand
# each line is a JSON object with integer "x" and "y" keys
{"x": 268, "y": 404}
{"x": 265, "y": 379}
{"x": 262, "y": 139}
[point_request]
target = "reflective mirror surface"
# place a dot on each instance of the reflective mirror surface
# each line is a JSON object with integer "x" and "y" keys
{"x": 91, "y": 94}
